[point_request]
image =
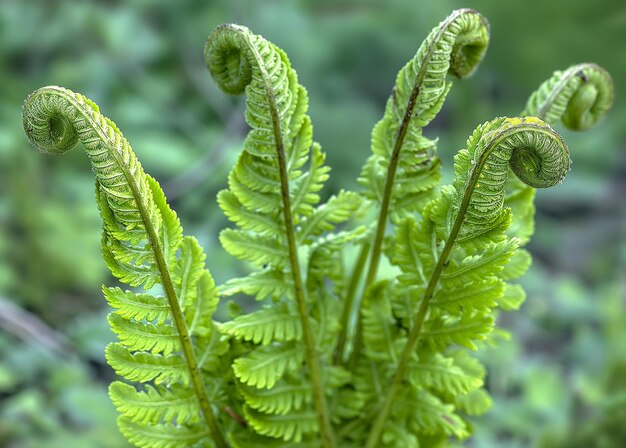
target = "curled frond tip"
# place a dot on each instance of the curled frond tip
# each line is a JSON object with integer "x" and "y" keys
{"x": 579, "y": 97}
{"x": 48, "y": 120}
{"x": 471, "y": 41}
{"x": 226, "y": 54}
{"x": 539, "y": 156}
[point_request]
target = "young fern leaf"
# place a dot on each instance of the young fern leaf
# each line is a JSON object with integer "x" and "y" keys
{"x": 579, "y": 98}
{"x": 402, "y": 158}
{"x": 439, "y": 252}
{"x": 403, "y": 170}
{"x": 162, "y": 339}
{"x": 272, "y": 198}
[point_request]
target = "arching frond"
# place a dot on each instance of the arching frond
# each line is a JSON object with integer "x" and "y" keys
{"x": 142, "y": 243}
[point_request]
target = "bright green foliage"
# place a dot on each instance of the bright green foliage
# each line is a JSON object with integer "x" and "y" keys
{"x": 291, "y": 373}
{"x": 164, "y": 340}
{"x": 259, "y": 191}
{"x": 277, "y": 323}
{"x": 456, "y": 46}
{"x": 578, "y": 97}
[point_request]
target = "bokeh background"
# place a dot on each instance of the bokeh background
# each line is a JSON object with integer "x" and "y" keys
{"x": 559, "y": 382}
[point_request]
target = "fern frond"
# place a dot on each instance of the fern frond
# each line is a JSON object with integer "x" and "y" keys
{"x": 139, "y": 336}
{"x": 336, "y": 210}
{"x": 279, "y": 323}
{"x": 161, "y": 435}
{"x": 286, "y": 395}
{"x": 245, "y": 439}
{"x": 246, "y": 218}
{"x": 401, "y": 154}
{"x": 257, "y": 249}
{"x": 518, "y": 264}
{"x": 397, "y": 435}
{"x": 139, "y": 307}
{"x": 155, "y": 403}
{"x": 443, "y": 375}
{"x": 512, "y": 298}
{"x": 325, "y": 262}
{"x": 270, "y": 282}
{"x": 277, "y": 177}
{"x": 144, "y": 366}
{"x": 382, "y": 338}
{"x": 439, "y": 253}
{"x": 475, "y": 268}
{"x": 306, "y": 187}
{"x": 290, "y": 427}
{"x": 465, "y": 330}
{"x": 579, "y": 97}
{"x": 479, "y": 296}
{"x": 142, "y": 244}
{"x": 267, "y": 364}
{"x": 477, "y": 402}
{"x": 431, "y": 416}
{"x": 293, "y": 393}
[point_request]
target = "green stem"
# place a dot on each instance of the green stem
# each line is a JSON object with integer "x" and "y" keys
{"x": 348, "y": 311}
{"x": 381, "y": 225}
{"x": 391, "y": 174}
{"x": 181, "y": 326}
{"x": 311, "y": 354}
{"x": 418, "y": 323}
{"x": 89, "y": 119}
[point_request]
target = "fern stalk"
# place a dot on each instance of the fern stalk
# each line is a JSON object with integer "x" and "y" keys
{"x": 347, "y": 311}
{"x": 511, "y": 132}
{"x": 181, "y": 326}
{"x": 381, "y": 224}
{"x": 179, "y": 320}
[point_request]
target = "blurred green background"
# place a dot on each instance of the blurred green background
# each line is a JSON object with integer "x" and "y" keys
{"x": 560, "y": 382}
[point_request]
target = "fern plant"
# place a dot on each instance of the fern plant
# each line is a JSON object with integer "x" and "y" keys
{"x": 330, "y": 357}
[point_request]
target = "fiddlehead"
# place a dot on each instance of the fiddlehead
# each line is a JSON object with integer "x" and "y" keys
{"x": 535, "y": 153}
{"x": 272, "y": 198}
{"x": 468, "y": 216}
{"x": 579, "y": 97}
{"x": 402, "y": 158}
{"x": 403, "y": 169}
{"x": 161, "y": 338}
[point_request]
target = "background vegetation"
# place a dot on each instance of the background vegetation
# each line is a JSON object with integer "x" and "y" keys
{"x": 561, "y": 381}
